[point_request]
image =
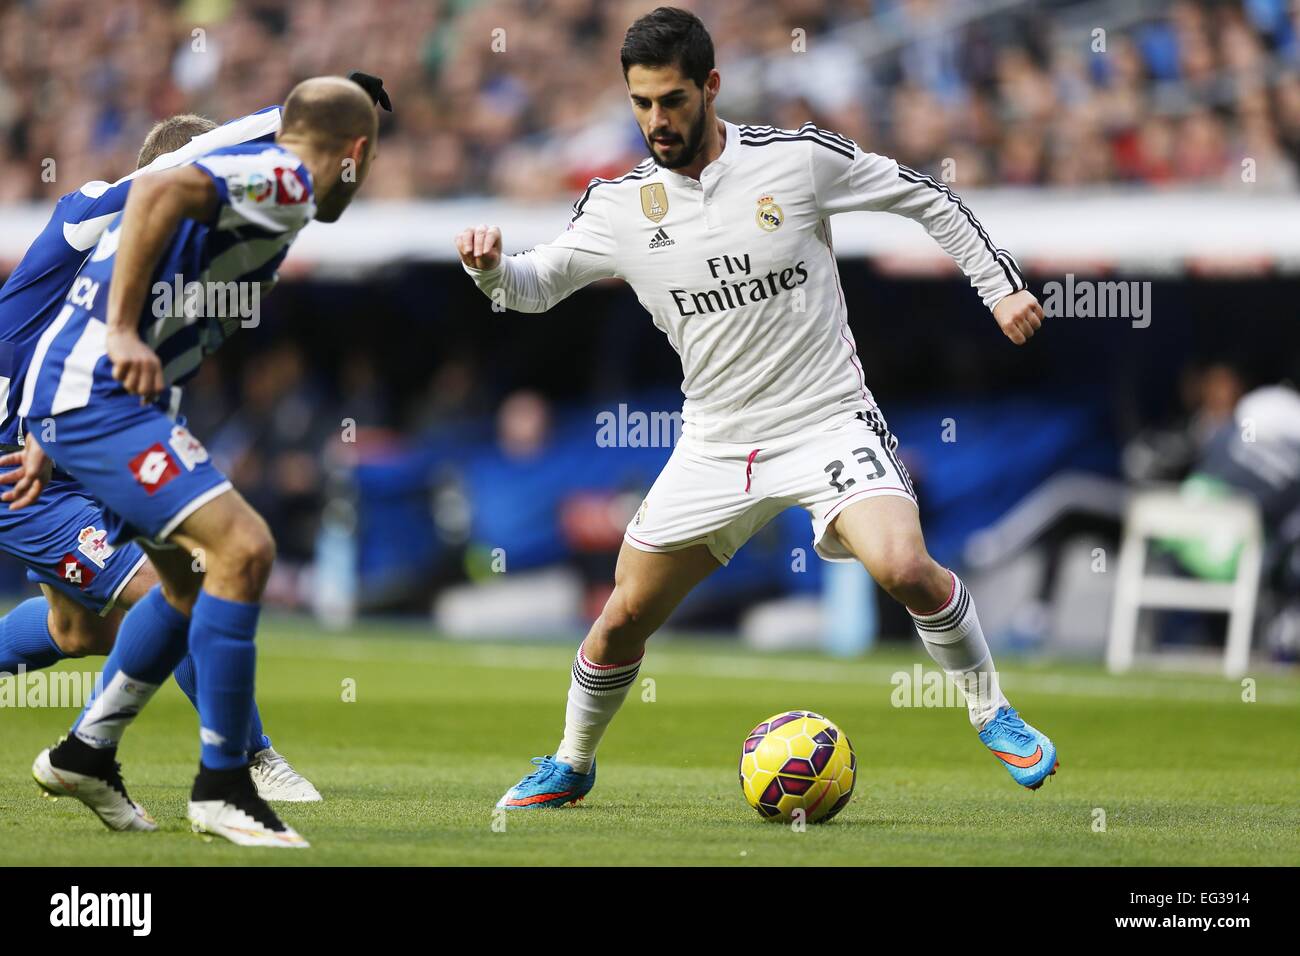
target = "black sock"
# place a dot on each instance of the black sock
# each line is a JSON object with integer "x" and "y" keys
{"x": 76, "y": 755}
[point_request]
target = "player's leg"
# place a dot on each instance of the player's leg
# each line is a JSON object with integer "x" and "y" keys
{"x": 86, "y": 583}
{"x": 238, "y": 551}
{"x": 648, "y": 586}
{"x": 44, "y": 630}
{"x": 84, "y": 764}
{"x": 170, "y": 620}
{"x": 862, "y": 505}
{"x": 89, "y": 584}
{"x": 157, "y": 482}
{"x": 61, "y": 539}
{"x": 142, "y": 646}
{"x": 884, "y": 533}
{"x": 87, "y": 589}
{"x": 701, "y": 509}
{"x": 275, "y": 778}
{"x": 149, "y": 642}
{"x": 78, "y": 630}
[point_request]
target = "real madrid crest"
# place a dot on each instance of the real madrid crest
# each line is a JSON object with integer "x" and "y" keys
{"x": 769, "y": 215}
{"x": 654, "y": 201}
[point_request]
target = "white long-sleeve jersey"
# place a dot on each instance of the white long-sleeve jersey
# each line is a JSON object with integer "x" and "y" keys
{"x": 738, "y": 270}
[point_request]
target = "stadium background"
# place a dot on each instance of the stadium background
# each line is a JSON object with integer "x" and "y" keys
{"x": 408, "y": 444}
{"x": 404, "y": 440}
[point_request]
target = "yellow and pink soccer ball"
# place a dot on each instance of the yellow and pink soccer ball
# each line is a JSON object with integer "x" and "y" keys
{"x": 796, "y": 761}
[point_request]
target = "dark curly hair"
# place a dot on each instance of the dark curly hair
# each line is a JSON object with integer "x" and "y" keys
{"x": 668, "y": 36}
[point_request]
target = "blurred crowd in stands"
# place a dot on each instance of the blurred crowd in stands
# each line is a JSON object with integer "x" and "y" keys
{"x": 523, "y": 98}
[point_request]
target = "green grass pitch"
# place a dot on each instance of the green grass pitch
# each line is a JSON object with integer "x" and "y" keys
{"x": 1183, "y": 770}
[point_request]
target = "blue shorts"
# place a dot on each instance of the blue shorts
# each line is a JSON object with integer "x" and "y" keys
{"x": 62, "y": 537}
{"x": 146, "y": 469}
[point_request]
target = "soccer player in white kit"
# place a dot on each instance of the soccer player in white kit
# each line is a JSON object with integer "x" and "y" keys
{"x": 724, "y": 235}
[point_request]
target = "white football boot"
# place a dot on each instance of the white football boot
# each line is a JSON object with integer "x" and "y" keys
{"x": 225, "y": 803}
{"x": 276, "y": 779}
{"x": 100, "y": 788}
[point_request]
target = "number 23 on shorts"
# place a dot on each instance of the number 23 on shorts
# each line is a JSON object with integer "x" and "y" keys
{"x": 873, "y": 468}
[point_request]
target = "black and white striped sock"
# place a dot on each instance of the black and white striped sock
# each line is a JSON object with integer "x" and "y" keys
{"x": 951, "y": 634}
{"x": 596, "y": 693}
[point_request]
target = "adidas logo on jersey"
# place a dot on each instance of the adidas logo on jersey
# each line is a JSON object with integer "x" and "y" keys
{"x": 660, "y": 239}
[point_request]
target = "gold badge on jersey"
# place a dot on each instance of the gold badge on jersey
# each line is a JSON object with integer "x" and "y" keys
{"x": 769, "y": 215}
{"x": 654, "y": 201}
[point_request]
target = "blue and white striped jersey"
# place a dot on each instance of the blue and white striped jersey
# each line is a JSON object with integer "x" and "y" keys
{"x": 34, "y": 292}
{"x": 266, "y": 198}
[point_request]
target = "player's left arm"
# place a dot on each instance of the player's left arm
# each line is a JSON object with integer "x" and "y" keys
{"x": 1019, "y": 316}
{"x": 156, "y": 206}
{"x": 846, "y": 178}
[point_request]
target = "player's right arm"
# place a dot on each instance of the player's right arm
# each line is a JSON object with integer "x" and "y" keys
{"x": 535, "y": 280}
{"x": 156, "y": 206}
{"x": 31, "y": 472}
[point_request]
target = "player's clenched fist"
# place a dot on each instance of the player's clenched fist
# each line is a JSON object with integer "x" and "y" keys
{"x": 1019, "y": 315}
{"x": 480, "y": 247}
{"x": 135, "y": 365}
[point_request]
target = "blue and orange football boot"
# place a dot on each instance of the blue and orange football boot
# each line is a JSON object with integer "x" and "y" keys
{"x": 1028, "y": 755}
{"x": 552, "y": 784}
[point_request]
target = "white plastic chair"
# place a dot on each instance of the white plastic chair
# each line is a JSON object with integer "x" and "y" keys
{"x": 1159, "y": 514}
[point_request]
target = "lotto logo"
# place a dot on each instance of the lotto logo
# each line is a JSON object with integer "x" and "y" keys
{"x": 292, "y": 189}
{"x": 153, "y": 467}
{"x": 75, "y": 573}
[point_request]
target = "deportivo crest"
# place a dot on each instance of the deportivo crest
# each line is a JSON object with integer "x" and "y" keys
{"x": 654, "y": 201}
{"x": 188, "y": 448}
{"x": 93, "y": 543}
{"x": 769, "y": 215}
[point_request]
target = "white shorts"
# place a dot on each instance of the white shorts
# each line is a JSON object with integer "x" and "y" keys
{"x": 720, "y": 494}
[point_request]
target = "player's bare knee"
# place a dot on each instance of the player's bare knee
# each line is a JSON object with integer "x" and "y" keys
{"x": 626, "y": 617}
{"x": 902, "y": 570}
{"x": 255, "y": 553}
{"x": 82, "y": 634}
{"x": 615, "y": 621}
{"x": 245, "y": 557}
